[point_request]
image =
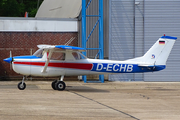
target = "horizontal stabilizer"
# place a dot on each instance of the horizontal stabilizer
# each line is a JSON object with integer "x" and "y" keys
{"x": 145, "y": 65}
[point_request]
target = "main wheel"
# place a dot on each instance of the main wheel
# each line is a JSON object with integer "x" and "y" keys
{"x": 53, "y": 85}
{"x": 60, "y": 85}
{"x": 21, "y": 86}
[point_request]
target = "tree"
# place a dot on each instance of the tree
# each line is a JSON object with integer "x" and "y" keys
{"x": 17, "y": 8}
{"x": 10, "y": 8}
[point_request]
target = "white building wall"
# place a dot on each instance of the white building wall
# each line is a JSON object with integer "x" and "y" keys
{"x": 38, "y": 25}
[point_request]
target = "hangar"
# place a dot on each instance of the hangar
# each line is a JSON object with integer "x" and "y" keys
{"x": 130, "y": 28}
{"x": 135, "y": 25}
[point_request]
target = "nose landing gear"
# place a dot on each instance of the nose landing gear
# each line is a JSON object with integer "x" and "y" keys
{"x": 22, "y": 85}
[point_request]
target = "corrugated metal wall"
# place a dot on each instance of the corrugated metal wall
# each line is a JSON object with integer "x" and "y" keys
{"x": 121, "y": 41}
{"x": 93, "y": 9}
{"x": 139, "y": 34}
{"x": 135, "y": 25}
{"x": 163, "y": 16}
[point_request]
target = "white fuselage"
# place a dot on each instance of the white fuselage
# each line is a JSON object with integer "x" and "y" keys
{"x": 34, "y": 67}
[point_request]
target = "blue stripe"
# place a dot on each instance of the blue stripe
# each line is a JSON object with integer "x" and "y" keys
{"x": 124, "y": 68}
{"x": 169, "y": 37}
{"x": 69, "y": 47}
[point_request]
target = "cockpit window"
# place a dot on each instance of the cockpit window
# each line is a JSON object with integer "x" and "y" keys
{"x": 58, "y": 56}
{"x": 39, "y": 53}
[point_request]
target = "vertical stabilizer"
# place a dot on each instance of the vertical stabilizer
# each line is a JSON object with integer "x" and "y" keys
{"x": 159, "y": 52}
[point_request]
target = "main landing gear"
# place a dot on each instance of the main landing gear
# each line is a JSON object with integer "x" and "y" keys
{"x": 59, "y": 84}
{"x": 56, "y": 85}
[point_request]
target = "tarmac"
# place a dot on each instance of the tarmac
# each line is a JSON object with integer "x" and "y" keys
{"x": 90, "y": 101}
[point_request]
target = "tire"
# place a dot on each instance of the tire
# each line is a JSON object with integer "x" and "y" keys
{"x": 60, "y": 85}
{"x": 53, "y": 85}
{"x": 21, "y": 86}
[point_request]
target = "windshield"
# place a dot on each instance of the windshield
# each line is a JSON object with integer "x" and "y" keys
{"x": 39, "y": 53}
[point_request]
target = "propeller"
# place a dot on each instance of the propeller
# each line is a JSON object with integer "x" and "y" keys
{"x": 9, "y": 60}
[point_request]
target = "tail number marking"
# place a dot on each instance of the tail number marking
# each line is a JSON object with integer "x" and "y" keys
{"x": 110, "y": 67}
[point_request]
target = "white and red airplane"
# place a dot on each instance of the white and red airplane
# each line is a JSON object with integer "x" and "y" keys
{"x": 62, "y": 60}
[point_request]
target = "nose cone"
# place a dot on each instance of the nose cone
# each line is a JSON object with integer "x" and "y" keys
{"x": 8, "y": 60}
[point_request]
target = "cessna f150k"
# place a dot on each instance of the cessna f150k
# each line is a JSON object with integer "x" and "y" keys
{"x": 62, "y": 60}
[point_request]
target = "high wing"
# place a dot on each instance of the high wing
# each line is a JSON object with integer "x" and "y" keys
{"x": 65, "y": 47}
{"x": 52, "y": 48}
{"x": 61, "y": 47}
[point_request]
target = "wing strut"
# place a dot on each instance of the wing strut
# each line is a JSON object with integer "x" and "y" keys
{"x": 47, "y": 61}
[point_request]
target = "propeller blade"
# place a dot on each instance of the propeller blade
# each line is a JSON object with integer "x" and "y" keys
{"x": 10, "y": 54}
{"x": 11, "y": 60}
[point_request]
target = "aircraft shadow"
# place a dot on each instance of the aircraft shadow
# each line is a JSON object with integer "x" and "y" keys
{"x": 83, "y": 89}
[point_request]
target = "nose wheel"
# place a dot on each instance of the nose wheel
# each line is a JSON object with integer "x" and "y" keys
{"x": 21, "y": 85}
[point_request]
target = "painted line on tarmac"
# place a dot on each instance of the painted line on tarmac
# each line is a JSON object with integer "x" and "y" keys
{"x": 104, "y": 105}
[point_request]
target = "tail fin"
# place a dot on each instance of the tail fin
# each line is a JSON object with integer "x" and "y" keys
{"x": 159, "y": 52}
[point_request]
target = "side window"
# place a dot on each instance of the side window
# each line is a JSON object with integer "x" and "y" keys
{"x": 58, "y": 56}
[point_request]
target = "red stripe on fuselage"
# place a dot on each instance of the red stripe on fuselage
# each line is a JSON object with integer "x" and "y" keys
{"x": 84, "y": 66}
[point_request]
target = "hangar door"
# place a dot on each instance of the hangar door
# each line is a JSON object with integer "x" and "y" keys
{"x": 135, "y": 26}
{"x": 163, "y": 17}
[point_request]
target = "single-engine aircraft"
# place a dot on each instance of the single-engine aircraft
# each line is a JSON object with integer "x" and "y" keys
{"x": 63, "y": 60}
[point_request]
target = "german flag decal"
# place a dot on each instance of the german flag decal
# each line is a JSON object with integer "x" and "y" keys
{"x": 161, "y": 42}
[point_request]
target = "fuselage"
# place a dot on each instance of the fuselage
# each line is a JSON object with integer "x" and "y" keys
{"x": 32, "y": 65}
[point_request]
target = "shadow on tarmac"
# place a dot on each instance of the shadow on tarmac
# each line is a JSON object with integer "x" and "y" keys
{"x": 84, "y": 89}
